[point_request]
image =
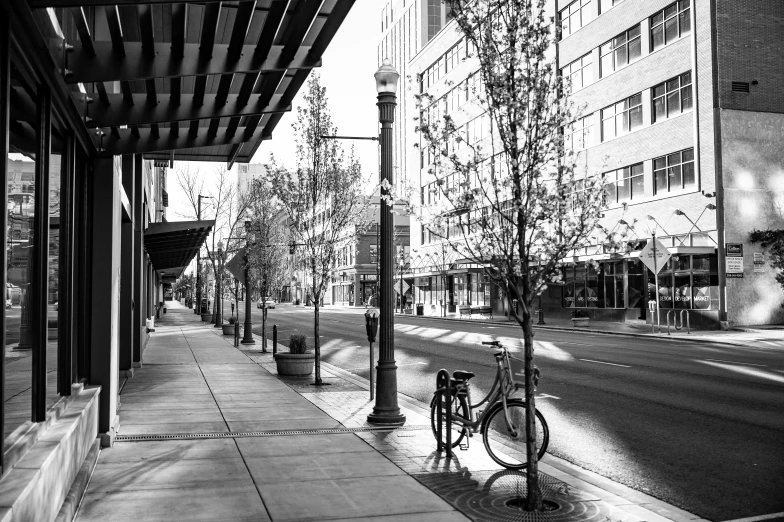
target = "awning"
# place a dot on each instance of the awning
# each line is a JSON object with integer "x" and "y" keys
{"x": 173, "y": 244}
{"x": 199, "y": 80}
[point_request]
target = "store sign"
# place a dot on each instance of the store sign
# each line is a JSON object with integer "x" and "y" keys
{"x": 662, "y": 256}
{"x": 759, "y": 262}
{"x": 734, "y": 267}
{"x": 734, "y": 250}
{"x": 236, "y": 266}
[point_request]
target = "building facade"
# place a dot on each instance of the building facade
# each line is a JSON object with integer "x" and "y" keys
{"x": 682, "y": 117}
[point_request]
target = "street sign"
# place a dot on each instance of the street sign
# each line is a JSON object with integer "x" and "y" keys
{"x": 662, "y": 256}
{"x": 236, "y": 266}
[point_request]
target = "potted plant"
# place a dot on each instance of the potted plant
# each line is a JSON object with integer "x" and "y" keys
{"x": 228, "y": 329}
{"x": 298, "y": 362}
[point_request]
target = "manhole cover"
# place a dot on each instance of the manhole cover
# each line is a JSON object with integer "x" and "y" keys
{"x": 493, "y": 496}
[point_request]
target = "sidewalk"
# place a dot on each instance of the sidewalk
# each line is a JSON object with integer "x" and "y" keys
{"x": 210, "y": 432}
{"x": 757, "y": 336}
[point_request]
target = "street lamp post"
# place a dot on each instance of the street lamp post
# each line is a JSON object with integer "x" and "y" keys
{"x": 247, "y": 337}
{"x": 197, "y": 309}
{"x": 218, "y": 294}
{"x": 386, "y": 410}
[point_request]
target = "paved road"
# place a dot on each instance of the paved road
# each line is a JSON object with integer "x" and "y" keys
{"x": 696, "y": 425}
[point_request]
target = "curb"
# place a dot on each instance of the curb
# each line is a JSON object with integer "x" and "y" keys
{"x": 589, "y": 330}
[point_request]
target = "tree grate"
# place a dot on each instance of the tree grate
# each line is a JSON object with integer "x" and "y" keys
{"x": 271, "y": 433}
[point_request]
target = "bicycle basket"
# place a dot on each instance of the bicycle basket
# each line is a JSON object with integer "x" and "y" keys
{"x": 517, "y": 369}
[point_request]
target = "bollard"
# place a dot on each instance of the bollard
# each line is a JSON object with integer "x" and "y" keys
{"x": 274, "y": 339}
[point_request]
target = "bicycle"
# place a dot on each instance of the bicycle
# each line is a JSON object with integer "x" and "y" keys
{"x": 502, "y": 423}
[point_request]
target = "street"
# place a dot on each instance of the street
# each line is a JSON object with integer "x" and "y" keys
{"x": 697, "y": 425}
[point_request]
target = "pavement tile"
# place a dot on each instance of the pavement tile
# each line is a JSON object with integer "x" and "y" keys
{"x": 302, "y": 445}
{"x": 352, "y": 497}
{"x": 167, "y": 473}
{"x": 173, "y": 428}
{"x": 229, "y": 501}
{"x": 326, "y": 422}
{"x": 305, "y": 468}
{"x": 169, "y": 450}
{"x": 443, "y": 516}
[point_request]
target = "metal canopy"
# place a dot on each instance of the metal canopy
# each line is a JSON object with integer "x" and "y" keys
{"x": 208, "y": 80}
{"x": 173, "y": 244}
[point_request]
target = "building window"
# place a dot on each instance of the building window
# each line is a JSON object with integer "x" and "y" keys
{"x": 578, "y": 133}
{"x": 672, "y": 97}
{"x": 625, "y": 184}
{"x": 574, "y": 16}
{"x": 670, "y": 23}
{"x": 620, "y": 51}
{"x": 688, "y": 283}
{"x": 433, "y": 18}
{"x": 622, "y": 117}
{"x": 606, "y": 5}
{"x": 674, "y": 172}
{"x": 579, "y": 72}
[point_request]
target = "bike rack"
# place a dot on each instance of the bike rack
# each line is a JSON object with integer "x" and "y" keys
{"x": 675, "y": 321}
{"x": 444, "y": 392}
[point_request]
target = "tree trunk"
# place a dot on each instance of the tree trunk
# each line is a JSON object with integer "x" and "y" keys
{"x": 316, "y": 342}
{"x": 534, "y": 496}
{"x": 264, "y": 327}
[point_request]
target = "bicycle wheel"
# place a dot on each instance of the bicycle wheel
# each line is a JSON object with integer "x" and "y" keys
{"x": 506, "y": 448}
{"x": 460, "y": 407}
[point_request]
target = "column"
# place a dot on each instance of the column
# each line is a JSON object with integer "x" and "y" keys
{"x": 126, "y": 268}
{"x": 139, "y": 324}
{"x": 105, "y": 310}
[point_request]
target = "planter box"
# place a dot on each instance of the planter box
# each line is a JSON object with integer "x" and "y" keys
{"x": 205, "y": 318}
{"x": 228, "y": 329}
{"x": 295, "y": 364}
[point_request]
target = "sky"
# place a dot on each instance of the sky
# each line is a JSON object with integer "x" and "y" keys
{"x": 347, "y": 72}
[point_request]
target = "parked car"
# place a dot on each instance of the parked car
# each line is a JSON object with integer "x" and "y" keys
{"x": 270, "y": 302}
{"x": 8, "y": 303}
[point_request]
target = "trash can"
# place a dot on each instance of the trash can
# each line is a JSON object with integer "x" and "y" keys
{"x": 420, "y": 309}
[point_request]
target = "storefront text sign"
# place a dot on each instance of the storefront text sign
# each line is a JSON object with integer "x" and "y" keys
{"x": 662, "y": 256}
{"x": 734, "y": 267}
{"x": 734, "y": 250}
{"x": 759, "y": 262}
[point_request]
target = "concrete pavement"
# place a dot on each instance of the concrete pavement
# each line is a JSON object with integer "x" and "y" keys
{"x": 210, "y": 432}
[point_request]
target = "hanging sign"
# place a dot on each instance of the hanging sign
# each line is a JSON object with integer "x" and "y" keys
{"x": 662, "y": 256}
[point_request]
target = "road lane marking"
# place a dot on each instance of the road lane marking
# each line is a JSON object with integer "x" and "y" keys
{"x": 602, "y": 362}
{"x": 546, "y": 396}
{"x": 736, "y": 362}
{"x": 581, "y": 344}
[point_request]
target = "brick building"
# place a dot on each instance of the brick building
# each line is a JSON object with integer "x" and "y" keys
{"x": 682, "y": 114}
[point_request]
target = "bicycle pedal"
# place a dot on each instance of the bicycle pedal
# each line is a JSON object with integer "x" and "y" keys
{"x": 464, "y": 445}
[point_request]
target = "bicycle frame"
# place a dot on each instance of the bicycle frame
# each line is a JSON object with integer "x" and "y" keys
{"x": 501, "y": 390}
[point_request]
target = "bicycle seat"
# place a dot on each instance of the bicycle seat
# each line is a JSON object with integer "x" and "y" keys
{"x": 460, "y": 375}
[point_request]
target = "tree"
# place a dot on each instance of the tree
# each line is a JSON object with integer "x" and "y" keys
{"x": 322, "y": 198}
{"x": 266, "y": 254}
{"x": 510, "y": 199}
{"x": 227, "y": 206}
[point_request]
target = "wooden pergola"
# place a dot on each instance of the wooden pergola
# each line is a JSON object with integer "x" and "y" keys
{"x": 188, "y": 80}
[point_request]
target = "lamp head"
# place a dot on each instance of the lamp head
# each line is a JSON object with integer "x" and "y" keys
{"x": 386, "y": 78}
{"x": 220, "y": 246}
{"x": 651, "y": 224}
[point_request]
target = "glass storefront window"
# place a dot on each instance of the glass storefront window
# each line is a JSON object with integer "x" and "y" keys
{"x": 21, "y": 209}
